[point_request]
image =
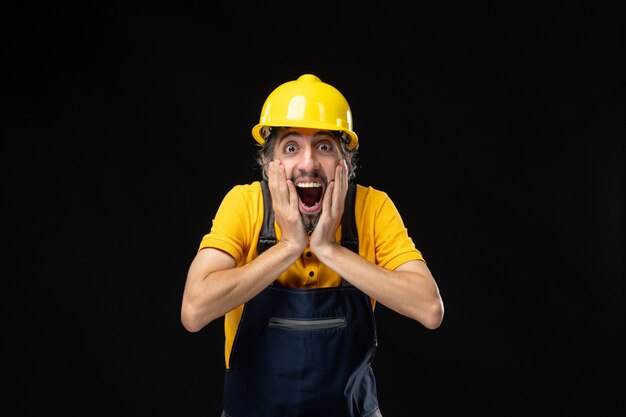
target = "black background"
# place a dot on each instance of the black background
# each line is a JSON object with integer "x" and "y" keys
{"x": 496, "y": 129}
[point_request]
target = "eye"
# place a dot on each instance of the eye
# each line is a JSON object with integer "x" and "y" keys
{"x": 290, "y": 148}
{"x": 325, "y": 146}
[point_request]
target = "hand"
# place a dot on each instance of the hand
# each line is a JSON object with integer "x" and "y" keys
{"x": 286, "y": 209}
{"x": 323, "y": 237}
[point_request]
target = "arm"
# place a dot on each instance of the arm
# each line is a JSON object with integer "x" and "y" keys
{"x": 215, "y": 285}
{"x": 410, "y": 289}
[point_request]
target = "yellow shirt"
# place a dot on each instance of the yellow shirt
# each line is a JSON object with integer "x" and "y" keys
{"x": 383, "y": 240}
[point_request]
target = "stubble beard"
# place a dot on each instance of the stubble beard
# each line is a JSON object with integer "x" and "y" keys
{"x": 309, "y": 222}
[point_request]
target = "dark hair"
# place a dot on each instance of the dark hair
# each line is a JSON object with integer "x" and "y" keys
{"x": 266, "y": 152}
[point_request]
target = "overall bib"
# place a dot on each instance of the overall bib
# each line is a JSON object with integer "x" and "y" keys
{"x": 304, "y": 352}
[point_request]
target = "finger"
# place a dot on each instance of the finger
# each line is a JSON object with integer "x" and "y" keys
{"x": 293, "y": 194}
{"x": 282, "y": 176}
{"x": 346, "y": 171}
{"x": 272, "y": 174}
{"x": 339, "y": 190}
{"x": 328, "y": 197}
{"x": 275, "y": 173}
{"x": 277, "y": 184}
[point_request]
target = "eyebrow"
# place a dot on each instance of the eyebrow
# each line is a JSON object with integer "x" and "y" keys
{"x": 297, "y": 134}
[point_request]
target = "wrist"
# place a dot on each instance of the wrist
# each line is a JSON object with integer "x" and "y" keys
{"x": 324, "y": 251}
{"x": 292, "y": 246}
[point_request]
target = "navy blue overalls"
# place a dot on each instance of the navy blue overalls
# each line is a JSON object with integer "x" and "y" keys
{"x": 304, "y": 352}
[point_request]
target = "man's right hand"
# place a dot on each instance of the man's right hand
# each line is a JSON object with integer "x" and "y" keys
{"x": 286, "y": 207}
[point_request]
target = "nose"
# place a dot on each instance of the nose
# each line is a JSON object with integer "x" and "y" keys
{"x": 308, "y": 161}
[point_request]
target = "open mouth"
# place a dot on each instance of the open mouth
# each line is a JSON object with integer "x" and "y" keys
{"x": 310, "y": 194}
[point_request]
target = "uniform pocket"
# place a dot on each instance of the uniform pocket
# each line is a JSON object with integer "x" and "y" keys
{"x": 306, "y": 324}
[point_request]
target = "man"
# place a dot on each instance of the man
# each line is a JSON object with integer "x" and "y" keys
{"x": 296, "y": 263}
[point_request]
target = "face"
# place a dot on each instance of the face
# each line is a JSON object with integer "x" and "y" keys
{"x": 310, "y": 157}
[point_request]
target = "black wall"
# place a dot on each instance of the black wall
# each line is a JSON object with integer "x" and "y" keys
{"x": 498, "y": 131}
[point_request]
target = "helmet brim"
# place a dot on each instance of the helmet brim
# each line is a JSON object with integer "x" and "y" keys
{"x": 258, "y": 136}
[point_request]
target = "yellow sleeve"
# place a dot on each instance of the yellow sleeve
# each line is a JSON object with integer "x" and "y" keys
{"x": 235, "y": 222}
{"x": 394, "y": 246}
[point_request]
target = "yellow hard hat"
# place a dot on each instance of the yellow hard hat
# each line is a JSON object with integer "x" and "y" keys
{"x": 306, "y": 102}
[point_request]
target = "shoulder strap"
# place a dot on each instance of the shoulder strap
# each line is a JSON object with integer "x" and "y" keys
{"x": 349, "y": 233}
{"x": 267, "y": 238}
